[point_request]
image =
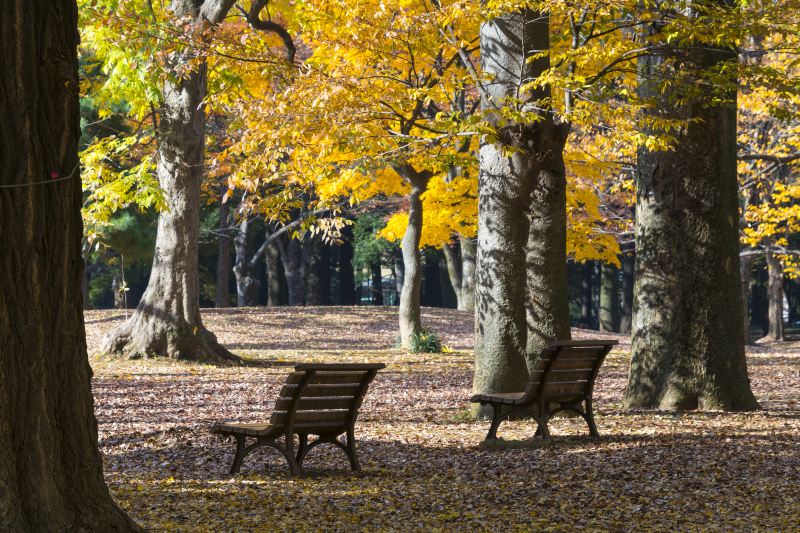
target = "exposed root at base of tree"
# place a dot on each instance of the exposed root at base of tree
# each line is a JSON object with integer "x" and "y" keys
{"x": 143, "y": 338}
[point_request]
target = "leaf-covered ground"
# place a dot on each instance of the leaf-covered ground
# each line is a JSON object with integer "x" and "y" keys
{"x": 422, "y": 466}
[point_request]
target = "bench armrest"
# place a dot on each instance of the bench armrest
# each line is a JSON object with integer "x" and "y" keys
{"x": 339, "y": 366}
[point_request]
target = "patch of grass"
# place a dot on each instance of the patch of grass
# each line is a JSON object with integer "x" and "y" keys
{"x": 425, "y": 341}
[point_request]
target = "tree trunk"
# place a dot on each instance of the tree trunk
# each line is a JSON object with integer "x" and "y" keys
{"x": 687, "y": 341}
{"x": 409, "y": 312}
{"x": 85, "y": 289}
{"x": 51, "y": 475}
{"x": 377, "y": 283}
{"x": 399, "y": 274}
{"x": 247, "y": 283}
{"x": 546, "y": 255}
{"x": 609, "y": 298}
{"x": 167, "y": 319}
{"x": 293, "y": 267}
{"x": 273, "y": 259}
{"x": 431, "y": 292}
{"x": 222, "y": 297}
{"x": 455, "y": 274}
{"x": 586, "y": 295}
{"x": 347, "y": 282}
{"x": 313, "y": 260}
{"x": 627, "y": 293}
{"x": 468, "y": 252}
{"x": 775, "y": 297}
{"x": 523, "y": 155}
{"x": 746, "y": 275}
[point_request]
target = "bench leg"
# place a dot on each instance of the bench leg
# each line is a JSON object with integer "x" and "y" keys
{"x": 541, "y": 421}
{"x": 350, "y": 449}
{"x": 497, "y": 417}
{"x": 240, "y": 453}
{"x": 288, "y": 452}
{"x": 589, "y": 417}
{"x": 302, "y": 450}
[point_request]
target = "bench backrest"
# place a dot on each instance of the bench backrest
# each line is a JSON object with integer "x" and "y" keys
{"x": 567, "y": 370}
{"x": 323, "y": 397}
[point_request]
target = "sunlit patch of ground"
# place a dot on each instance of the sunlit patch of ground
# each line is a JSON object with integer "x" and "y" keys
{"x": 422, "y": 467}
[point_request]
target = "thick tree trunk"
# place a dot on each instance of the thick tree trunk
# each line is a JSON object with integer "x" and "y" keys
{"x": 399, "y": 274}
{"x": 546, "y": 257}
{"x": 626, "y": 317}
{"x": 347, "y": 282}
{"x": 377, "y": 283}
{"x": 274, "y": 277}
{"x": 519, "y": 173}
{"x": 247, "y": 282}
{"x": 455, "y": 274}
{"x": 586, "y": 295}
{"x": 687, "y": 341}
{"x": 746, "y": 274}
{"x": 315, "y": 293}
{"x": 167, "y": 319}
{"x": 222, "y": 297}
{"x": 609, "y": 298}
{"x": 468, "y": 252}
{"x": 293, "y": 267}
{"x": 409, "y": 312}
{"x": 775, "y": 297}
{"x": 431, "y": 295}
{"x": 51, "y": 475}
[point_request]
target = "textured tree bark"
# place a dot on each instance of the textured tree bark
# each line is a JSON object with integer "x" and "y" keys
{"x": 586, "y": 295}
{"x": 746, "y": 274}
{"x": 347, "y": 282}
{"x": 377, "y": 283}
{"x": 50, "y": 468}
{"x": 609, "y": 298}
{"x": 775, "y": 297}
{"x": 455, "y": 274}
{"x": 687, "y": 340}
{"x": 247, "y": 283}
{"x": 222, "y": 297}
{"x": 293, "y": 267}
{"x": 519, "y": 173}
{"x": 409, "y": 312}
{"x": 468, "y": 257}
{"x": 399, "y": 274}
{"x": 546, "y": 256}
{"x": 167, "y": 319}
{"x": 315, "y": 278}
{"x": 627, "y": 293}
{"x": 274, "y": 277}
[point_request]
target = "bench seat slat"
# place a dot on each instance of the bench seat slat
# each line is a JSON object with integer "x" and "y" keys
{"x": 322, "y": 389}
{"x": 321, "y": 402}
{"x": 338, "y": 416}
{"x": 329, "y": 377}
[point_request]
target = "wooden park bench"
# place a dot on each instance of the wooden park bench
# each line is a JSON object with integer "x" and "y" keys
{"x": 563, "y": 375}
{"x": 317, "y": 399}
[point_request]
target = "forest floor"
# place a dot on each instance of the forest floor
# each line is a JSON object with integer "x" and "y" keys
{"x": 422, "y": 465}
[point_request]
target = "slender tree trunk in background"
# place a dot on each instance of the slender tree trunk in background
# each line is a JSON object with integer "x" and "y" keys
{"x": 609, "y": 297}
{"x": 247, "y": 282}
{"x": 119, "y": 300}
{"x": 511, "y": 169}
{"x": 586, "y": 295}
{"x": 222, "y": 297}
{"x": 377, "y": 283}
{"x": 85, "y": 289}
{"x": 316, "y": 261}
{"x": 628, "y": 261}
{"x": 687, "y": 339}
{"x": 546, "y": 257}
{"x": 409, "y": 312}
{"x": 775, "y": 297}
{"x": 293, "y": 267}
{"x": 399, "y": 274}
{"x": 167, "y": 319}
{"x": 745, "y": 275}
{"x": 431, "y": 295}
{"x": 792, "y": 296}
{"x": 273, "y": 258}
{"x": 454, "y": 271}
{"x": 468, "y": 253}
{"x": 51, "y": 475}
{"x": 347, "y": 281}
